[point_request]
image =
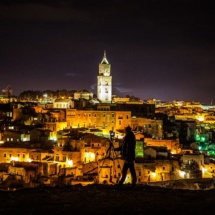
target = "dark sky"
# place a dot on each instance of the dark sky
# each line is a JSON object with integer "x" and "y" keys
{"x": 157, "y": 49}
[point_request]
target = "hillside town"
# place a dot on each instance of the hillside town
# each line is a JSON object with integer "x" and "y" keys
{"x": 68, "y": 138}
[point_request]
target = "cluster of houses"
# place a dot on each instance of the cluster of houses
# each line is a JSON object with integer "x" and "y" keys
{"x": 55, "y": 146}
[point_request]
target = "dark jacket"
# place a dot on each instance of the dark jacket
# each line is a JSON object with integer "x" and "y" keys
{"x": 128, "y": 147}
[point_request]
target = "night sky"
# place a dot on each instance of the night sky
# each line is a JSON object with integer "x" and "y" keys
{"x": 157, "y": 49}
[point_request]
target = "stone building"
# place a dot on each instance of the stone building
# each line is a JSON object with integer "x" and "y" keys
{"x": 104, "y": 81}
{"x": 105, "y": 120}
{"x": 172, "y": 145}
{"x": 63, "y": 103}
{"x": 83, "y": 94}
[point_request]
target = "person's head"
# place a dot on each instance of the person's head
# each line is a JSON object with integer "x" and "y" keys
{"x": 128, "y": 129}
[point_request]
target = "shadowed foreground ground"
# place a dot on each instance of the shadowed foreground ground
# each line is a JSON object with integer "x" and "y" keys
{"x": 106, "y": 199}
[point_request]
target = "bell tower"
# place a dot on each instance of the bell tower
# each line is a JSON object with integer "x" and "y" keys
{"x": 104, "y": 81}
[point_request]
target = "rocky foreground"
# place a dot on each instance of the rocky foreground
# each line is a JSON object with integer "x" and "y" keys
{"x": 106, "y": 199}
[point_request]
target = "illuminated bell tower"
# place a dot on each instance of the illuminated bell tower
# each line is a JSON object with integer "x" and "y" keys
{"x": 104, "y": 81}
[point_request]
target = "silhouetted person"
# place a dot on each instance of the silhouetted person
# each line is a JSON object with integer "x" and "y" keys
{"x": 128, "y": 154}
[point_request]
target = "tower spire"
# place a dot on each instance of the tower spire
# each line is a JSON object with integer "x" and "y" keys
{"x": 104, "y": 60}
{"x": 104, "y": 81}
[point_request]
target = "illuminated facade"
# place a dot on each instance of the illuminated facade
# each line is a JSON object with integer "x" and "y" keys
{"x": 104, "y": 120}
{"x": 8, "y": 154}
{"x": 63, "y": 103}
{"x": 172, "y": 145}
{"x": 104, "y": 81}
{"x": 152, "y": 127}
{"x": 83, "y": 94}
{"x": 54, "y": 127}
{"x": 66, "y": 158}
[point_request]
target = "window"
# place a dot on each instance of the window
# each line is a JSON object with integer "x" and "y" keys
{"x": 5, "y": 155}
{"x": 23, "y": 156}
{"x": 57, "y": 158}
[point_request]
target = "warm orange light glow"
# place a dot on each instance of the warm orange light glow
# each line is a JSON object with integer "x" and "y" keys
{"x": 204, "y": 170}
{"x": 90, "y": 156}
{"x": 53, "y": 138}
{"x": 29, "y": 160}
{"x": 181, "y": 174}
{"x": 153, "y": 174}
{"x": 200, "y": 118}
{"x": 14, "y": 158}
{"x": 70, "y": 163}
